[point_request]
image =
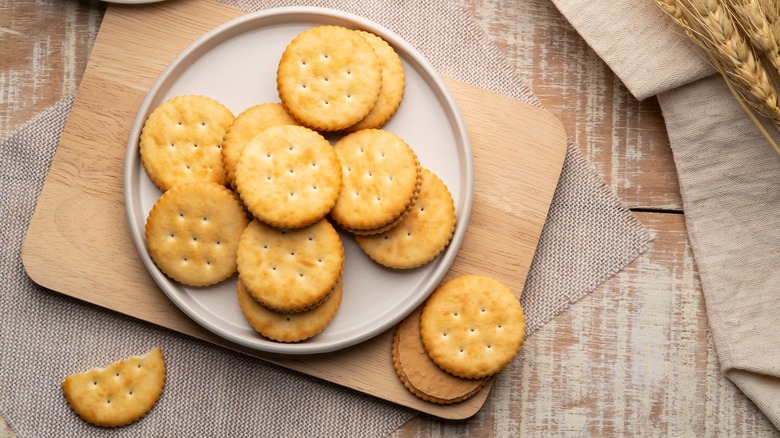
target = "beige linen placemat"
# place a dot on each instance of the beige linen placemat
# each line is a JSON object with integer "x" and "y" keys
{"x": 729, "y": 182}
{"x": 215, "y": 392}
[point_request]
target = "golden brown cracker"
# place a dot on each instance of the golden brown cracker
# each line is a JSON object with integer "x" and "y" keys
{"x": 290, "y": 270}
{"x": 192, "y": 233}
{"x": 419, "y": 374}
{"x": 244, "y": 127}
{"x": 181, "y": 141}
{"x": 421, "y": 235}
{"x": 289, "y": 176}
{"x": 472, "y": 326}
{"x": 120, "y": 393}
{"x": 329, "y": 78}
{"x": 393, "y": 82}
{"x": 288, "y": 327}
{"x": 381, "y": 180}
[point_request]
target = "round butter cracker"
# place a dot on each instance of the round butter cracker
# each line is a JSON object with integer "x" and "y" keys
{"x": 290, "y": 270}
{"x": 288, "y": 327}
{"x": 419, "y": 374}
{"x": 381, "y": 181}
{"x": 192, "y": 233}
{"x": 421, "y": 235}
{"x": 181, "y": 141}
{"x": 244, "y": 127}
{"x": 393, "y": 83}
{"x": 329, "y": 78}
{"x": 289, "y": 176}
{"x": 472, "y": 326}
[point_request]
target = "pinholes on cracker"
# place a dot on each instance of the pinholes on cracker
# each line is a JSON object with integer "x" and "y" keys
{"x": 472, "y": 326}
{"x": 393, "y": 83}
{"x": 244, "y": 127}
{"x": 329, "y": 78}
{"x": 421, "y": 235}
{"x": 288, "y": 327}
{"x": 181, "y": 141}
{"x": 290, "y": 270}
{"x": 382, "y": 179}
{"x": 192, "y": 233}
{"x": 118, "y": 394}
{"x": 419, "y": 374}
{"x": 289, "y": 176}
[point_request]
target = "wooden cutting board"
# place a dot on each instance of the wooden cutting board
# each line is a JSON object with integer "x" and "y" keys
{"x": 79, "y": 242}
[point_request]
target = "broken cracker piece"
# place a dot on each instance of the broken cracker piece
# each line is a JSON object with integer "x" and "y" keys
{"x": 119, "y": 394}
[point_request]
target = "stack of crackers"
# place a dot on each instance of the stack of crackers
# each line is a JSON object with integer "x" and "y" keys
{"x": 264, "y": 193}
{"x": 469, "y": 329}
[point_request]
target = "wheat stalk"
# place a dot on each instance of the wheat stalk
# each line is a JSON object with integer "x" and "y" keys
{"x": 714, "y": 26}
{"x": 758, "y": 19}
{"x": 750, "y": 14}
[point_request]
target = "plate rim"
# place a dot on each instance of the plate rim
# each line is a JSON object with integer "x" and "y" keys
{"x": 132, "y": 161}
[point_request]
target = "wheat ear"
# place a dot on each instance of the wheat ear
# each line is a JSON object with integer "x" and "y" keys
{"x": 710, "y": 25}
{"x": 758, "y": 19}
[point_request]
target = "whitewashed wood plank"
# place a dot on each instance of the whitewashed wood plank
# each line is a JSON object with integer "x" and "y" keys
{"x": 625, "y": 138}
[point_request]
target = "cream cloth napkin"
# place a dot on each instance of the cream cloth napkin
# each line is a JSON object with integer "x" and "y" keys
{"x": 729, "y": 182}
{"x": 638, "y": 42}
{"x": 210, "y": 391}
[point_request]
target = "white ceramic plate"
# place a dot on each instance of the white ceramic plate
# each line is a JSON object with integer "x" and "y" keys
{"x": 236, "y": 64}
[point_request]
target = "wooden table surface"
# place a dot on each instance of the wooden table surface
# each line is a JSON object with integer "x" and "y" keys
{"x": 633, "y": 357}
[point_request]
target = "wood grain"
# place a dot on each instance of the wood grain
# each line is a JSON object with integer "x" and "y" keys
{"x": 570, "y": 381}
{"x": 78, "y": 239}
{"x": 625, "y": 138}
{"x": 43, "y": 53}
